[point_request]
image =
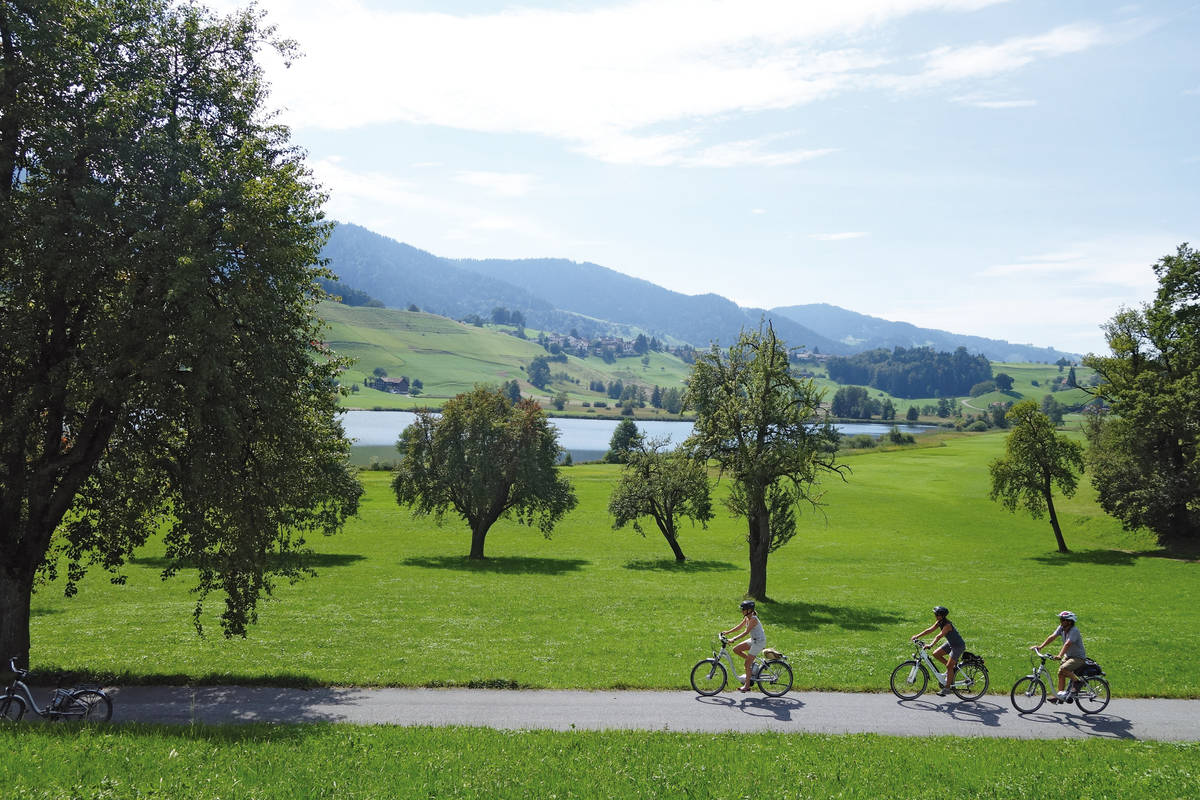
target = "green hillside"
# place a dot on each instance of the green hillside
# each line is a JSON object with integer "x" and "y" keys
{"x": 449, "y": 357}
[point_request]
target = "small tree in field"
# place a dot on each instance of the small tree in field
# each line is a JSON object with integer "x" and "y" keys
{"x": 486, "y": 458}
{"x": 665, "y": 485}
{"x": 1036, "y": 459}
{"x": 625, "y": 440}
{"x": 759, "y": 422}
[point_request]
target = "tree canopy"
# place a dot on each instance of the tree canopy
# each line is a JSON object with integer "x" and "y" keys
{"x": 665, "y": 485}
{"x": 161, "y": 368}
{"x": 484, "y": 458}
{"x": 760, "y": 423}
{"x": 1036, "y": 459}
{"x": 1144, "y": 455}
{"x": 626, "y": 438}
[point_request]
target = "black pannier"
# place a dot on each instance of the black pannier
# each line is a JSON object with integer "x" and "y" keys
{"x": 1089, "y": 669}
{"x": 969, "y": 658}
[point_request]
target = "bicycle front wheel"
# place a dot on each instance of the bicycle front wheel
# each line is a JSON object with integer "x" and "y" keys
{"x": 709, "y": 677}
{"x": 1092, "y": 697}
{"x": 909, "y": 680}
{"x": 976, "y": 677}
{"x": 775, "y": 678}
{"x": 1027, "y": 695}
{"x": 86, "y": 705}
{"x": 12, "y": 708}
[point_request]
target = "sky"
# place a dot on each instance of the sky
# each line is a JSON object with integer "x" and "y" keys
{"x": 1003, "y": 168}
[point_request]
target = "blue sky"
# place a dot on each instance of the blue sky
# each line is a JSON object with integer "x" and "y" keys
{"x": 1004, "y": 168}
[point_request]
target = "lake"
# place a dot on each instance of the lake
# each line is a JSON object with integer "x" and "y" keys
{"x": 375, "y": 433}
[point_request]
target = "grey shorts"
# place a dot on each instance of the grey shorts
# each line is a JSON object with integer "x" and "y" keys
{"x": 955, "y": 652}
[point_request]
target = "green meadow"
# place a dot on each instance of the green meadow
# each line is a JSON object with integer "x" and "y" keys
{"x": 396, "y": 603}
{"x": 260, "y": 762}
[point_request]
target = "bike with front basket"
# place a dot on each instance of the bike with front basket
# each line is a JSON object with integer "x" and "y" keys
{"x": 1089, "y": 690}
{"x": 79, "y": 704}
{"x": 910, "y": 678}
{"x": 770, "y": 671}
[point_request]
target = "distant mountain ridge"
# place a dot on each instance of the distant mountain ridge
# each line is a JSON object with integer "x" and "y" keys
{"x": 559, "y": 294}
{"x": 864, "y": 332}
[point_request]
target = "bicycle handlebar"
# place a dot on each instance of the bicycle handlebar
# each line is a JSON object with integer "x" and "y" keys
{"x": 12, "y": 667}
{"x": 1044, "y": 656}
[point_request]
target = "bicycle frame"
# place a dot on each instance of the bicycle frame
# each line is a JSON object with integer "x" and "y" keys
{"x": 922, "y": 656}
{"x": 11, "y": 691}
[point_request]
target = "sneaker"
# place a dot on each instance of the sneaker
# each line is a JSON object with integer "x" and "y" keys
{"x": 1062, "y": 696}
{"x": 942, "y": 692}
{"x": 742, "y": 679}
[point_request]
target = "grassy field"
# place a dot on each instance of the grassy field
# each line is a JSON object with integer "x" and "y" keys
{"x": 449, "y": 358}
{"x": 396, "y": 603}
{"x": 350, "y": 763}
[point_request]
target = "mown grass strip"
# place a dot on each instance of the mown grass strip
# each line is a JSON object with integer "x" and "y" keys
{"x": 350, "y": 762}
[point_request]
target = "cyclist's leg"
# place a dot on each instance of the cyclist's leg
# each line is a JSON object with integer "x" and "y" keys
{"x": 1066, "y": 671}
{"x": 743, "y": 650}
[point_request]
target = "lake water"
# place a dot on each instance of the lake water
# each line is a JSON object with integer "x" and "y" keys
{"x": 375, "y": 432}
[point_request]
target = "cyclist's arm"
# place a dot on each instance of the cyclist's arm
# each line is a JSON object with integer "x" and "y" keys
{"x": 1048, "y": 640}
{"x": 733, "y": 631}
{"x": 930, "y": 629}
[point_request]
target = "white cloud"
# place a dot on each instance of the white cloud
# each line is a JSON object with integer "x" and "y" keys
{"x": 838, "y": 237}
{"x": 991, "y": 103}
{"x": 599, "y": 79}
{"x": 504, "y": 184}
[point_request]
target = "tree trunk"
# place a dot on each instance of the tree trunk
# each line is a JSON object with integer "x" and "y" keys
{"x": 759, "y": 541}
{"x": 671, "y": 540}
{"x": 15, "y": 595}
{"x": 479, "y": 532}
{"x": 1062, "y": 545}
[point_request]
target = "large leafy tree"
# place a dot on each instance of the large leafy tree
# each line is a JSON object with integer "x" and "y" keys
{"x": 762, "y": 426}
{"x": 160, "y": 365}
{"x": 665, "y": 485}
{"x": 1144, "y": 455}
{"x": 1036, "y": 459}
{"x": 486, "y": 458}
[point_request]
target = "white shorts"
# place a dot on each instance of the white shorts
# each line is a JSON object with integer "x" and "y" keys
{"x": 756, "y": 647}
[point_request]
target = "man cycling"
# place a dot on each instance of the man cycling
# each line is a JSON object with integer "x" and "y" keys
{"x": 1072, "y": 653}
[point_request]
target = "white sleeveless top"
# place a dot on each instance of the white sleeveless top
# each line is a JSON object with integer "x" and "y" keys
{"x": 757, "y": 634}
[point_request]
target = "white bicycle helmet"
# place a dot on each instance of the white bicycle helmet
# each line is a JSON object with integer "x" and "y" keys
{"x": 1066, "y": 615}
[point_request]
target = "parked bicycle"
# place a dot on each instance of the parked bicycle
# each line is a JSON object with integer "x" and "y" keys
{"x": 80, "y": 704}
{"x": 770, "y": 671}
{"x": 1089, "y": 690}
{"x": 910, "y": 678}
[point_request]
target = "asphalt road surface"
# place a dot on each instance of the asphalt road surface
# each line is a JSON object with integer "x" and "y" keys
{"x": 797, "y": 712}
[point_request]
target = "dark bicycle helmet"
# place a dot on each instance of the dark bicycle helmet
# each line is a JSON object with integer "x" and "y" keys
{"x": 940, "y": 611}
{"x": 747, "y": 604}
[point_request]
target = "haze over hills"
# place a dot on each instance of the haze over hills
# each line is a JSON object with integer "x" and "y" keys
{"x": 560, "y": 295}
{"x": 867, "y": 333}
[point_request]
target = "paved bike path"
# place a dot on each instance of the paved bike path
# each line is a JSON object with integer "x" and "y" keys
{"x": 797, "y": 712}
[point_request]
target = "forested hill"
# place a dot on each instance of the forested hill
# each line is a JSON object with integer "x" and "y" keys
{"x": 860, "y": 332}
{"x": 552, "y": 294}
{"x": 561, "y": 295}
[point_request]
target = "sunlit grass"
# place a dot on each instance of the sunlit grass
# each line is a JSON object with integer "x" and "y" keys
{"x": 396, "y": 603}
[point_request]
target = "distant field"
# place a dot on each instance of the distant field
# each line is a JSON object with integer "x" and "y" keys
{"x": 396, "y": 603}
{"x": 450, "y": 357}
{"x": 265, "y": 762}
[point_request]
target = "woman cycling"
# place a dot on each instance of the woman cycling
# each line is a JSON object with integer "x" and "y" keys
{"x": 751, "y": 647}
{"x": 954, "y": 645}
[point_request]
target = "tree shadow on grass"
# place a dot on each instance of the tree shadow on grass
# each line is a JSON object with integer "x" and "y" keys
{"x": 505, "y": 565}
{"x": 671, "y": 565}
{"x": 1113, "y": 558}
{"x": 276, "y": 561}
{"x": 810, "y": 616}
